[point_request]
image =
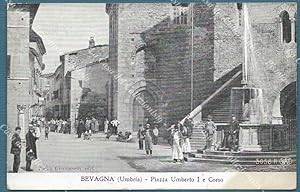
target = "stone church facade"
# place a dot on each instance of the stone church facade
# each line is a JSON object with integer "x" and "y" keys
{"x": 170, "y": 59}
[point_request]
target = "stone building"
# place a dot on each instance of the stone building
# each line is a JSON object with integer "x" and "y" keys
{"x": 25, "y": 50}
{"x": 80, "y": 85}
{"x": 173, "y": 60}
{"x": 54, "y": 90}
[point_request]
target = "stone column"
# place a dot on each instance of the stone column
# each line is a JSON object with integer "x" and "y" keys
{"x": 293, "y": 28}
{"x": 21, "y": 120}
{"x": 276, "y": 113}
{"x": 281, "y": 30}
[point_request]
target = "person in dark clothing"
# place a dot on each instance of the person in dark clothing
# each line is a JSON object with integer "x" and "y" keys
{"x": 47, "y": 130}
{"x": 16, "y": 149}
{"x": 31, "y": 152}
{"x": 189, "y": 123}
{"x": 80, "y": 128}
{"x": 234, "y": 134}
{"x": 141, "y": 137}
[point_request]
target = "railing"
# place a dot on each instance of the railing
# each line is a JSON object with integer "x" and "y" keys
{"x": 292, "y": 133}
{"x": 198, "y": 110}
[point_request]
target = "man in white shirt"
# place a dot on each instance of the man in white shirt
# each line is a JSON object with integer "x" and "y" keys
{"x": 115, "y": 123}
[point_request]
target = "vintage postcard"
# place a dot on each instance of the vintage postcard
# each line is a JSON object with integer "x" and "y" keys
{"x": 151, "y": 95}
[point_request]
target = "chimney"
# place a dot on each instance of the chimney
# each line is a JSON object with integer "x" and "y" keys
{"x": 91, "y": 42}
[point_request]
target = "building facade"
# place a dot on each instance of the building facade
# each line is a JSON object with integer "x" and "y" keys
{"x": 54, "y": 90}
{"x": 79, "y": 88}
{"x": 171, "y": 59}
{"x": 25, "y": 50}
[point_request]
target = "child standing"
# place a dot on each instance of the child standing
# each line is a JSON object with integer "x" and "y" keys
{"x": 148, "y": 143}
{"x": 46, "y": 132}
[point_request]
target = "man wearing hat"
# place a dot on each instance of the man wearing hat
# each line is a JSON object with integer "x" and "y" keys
{"x": 31, "y": 153}
{"x": 16, "y": 149}
{"x": 210, "y": 129}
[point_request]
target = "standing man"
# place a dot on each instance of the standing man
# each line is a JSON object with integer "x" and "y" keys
{"x": 93, "y": 125}
{"x": 141, "y": 136}
{"x": 210, "y": 129}
{"x": 80, "y": 128}
{"x": 148, "y": 143}
{"x": 88, "y": 125}
{"x": 31, "y": 152}
{"x": 147, "y": 126}
{"x": 155, "y": 135}
{"x": 115, "y": 123}
{"x": 234, "y": 133}
{"x": 47, "y": 130}
{"x": 16, "y": 149}
{"x": 189, "y": 123}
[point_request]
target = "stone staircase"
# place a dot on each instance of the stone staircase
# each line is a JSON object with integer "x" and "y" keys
{"x": 221, "y": 114}
{"x": 198, "y": 139}
{"x": 246, "y": 158}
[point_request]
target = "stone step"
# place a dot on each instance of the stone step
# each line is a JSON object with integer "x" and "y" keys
{"x": 251, "y": 157}
{"x": 200, "y": 158}
{"x": 198, "y": 132}
{"x": 201, "y": 135}
{"x": 195, "y": 145}
{"x": 196, "y": 148}
{"x": 224, "y": 153}
{"x": 221, "y": 161}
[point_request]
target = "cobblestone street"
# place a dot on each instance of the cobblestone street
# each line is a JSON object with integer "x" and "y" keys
{"x": 66, "y": 153}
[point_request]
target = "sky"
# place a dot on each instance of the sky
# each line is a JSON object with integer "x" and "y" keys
{"x": 68, "y": 27}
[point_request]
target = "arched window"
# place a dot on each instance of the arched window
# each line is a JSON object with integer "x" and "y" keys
{"x": 286, "y": 27}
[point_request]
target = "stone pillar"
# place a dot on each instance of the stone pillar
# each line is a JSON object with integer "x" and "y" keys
{"x": 276, "y": 113}
{"x": 281, "y": 30}
{"x": 248, "y": 137}
{"x": 21, "y": 120}
{"x": 247, "y": 104}
{"x": 293, "y": 28}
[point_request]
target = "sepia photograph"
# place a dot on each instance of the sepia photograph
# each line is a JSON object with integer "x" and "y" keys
{"x": 151, "y": 87}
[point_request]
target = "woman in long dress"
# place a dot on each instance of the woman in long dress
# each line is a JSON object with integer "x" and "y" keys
{"x": 106, "y": 122}
{"x": 177, "y": 154}
{"x": 186, "y": 145}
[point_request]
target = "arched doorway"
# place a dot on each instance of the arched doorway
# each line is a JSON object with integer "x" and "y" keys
{"x": 143, "y": 104}
{"x": 288, "y": 102}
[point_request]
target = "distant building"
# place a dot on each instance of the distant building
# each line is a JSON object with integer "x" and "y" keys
{"x": 80, "y": 85}
{"x": 25, "y": 50}
{"x": 53, "y": 93}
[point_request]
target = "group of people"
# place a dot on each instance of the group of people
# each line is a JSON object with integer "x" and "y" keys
{"x": 230, "y": 140}
{"x": 179, "y": 136}
{"x": 127, "y": 137}
{"x": 148, "y": 136}
{"x": 60, "y": 125}
{"x": 180, "y": 141}
{"x": 92, "y": 125}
